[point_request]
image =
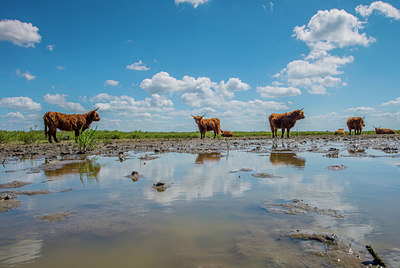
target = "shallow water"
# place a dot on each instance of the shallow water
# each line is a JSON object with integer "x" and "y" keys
{"x": 211, "y": 215}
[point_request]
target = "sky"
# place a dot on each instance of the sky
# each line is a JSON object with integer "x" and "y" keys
{"x": 150, "y": 64}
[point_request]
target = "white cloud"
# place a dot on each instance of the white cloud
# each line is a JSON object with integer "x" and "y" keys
{"x": 16, "y": 115}
{"x": 60, "y": 68}
{"x": 274, "y": 91}
{"x": 194, "y": 3}
{"x": 26, "y": 75}
{"x": 51, "y": 47}
{"x": 384, "y": 8}
{"x": 315, "y": 75}
{"x": 138, "y": 66}
{"x": 60, "y": 100}
{"x": 336, "y": 27}
{"x": 195, "y": 92}
{"x": 361, "y": 109}
{"x": 392, "y": 102}
{"x": 20, "y": 103}
{"x": 111, "y": 83}
{"x": 125, "y": 103}
{"x": 19, "y": 33}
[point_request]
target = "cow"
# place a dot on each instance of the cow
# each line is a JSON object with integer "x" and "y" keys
{"x": 225, "y": 133}
{"x": 205, "y": 125}
{"x": 356, "y": 123}
{"x": 379, "y": 130}
{"x": 284, "y": 121}
{"x": 67, "y": 122}
{"x": 340, "y": 131}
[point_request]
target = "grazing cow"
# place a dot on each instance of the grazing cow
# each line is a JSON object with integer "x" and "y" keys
{"x": 67, "y": 122}
{"x": 226, "y": 133}
{"x": 379, "y": 130}
{"x": 356, "y": 123}
{"x": 340, "y": 131}
{"x": 205, "y": 125}
{"x": 284, "y": 121}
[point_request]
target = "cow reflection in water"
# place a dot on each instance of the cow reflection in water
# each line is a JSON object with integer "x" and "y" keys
{"x": 88, "y": 167}
{"x": 287, "y": 158}
{"x": 208, "y": 157}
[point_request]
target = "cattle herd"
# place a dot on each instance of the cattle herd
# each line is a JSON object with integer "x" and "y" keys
{"x": 285, "y": 121}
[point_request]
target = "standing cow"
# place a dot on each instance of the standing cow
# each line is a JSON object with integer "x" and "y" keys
{"x": 205, "y": 125}
{"x": 356, "y": 123}
{"x": 67, "y": 122}
{"x": 284, "y": 121}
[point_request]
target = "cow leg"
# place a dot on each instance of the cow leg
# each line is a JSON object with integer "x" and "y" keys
{"x": 283, "y": 132}
{"x": 288, "y": 132}
{"x": 350, "y": 131}
{"x": 55, "y": 135}
{"x": 276, "y": 133}
{"x": 49, "y": 137}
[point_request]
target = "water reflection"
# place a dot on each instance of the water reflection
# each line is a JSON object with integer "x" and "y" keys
{"x": 84, "y": 167}
{"x": 287, "y": 158}
{"x": 208, "y": 157}
{"x": 23, "y": 251}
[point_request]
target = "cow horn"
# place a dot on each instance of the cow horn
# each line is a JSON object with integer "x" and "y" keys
{"x": 96, "y": 109}
{"x": 302, "y": 109}
{"x": 192, "y": 115}
{"x": 203, "y": 115}
{"x": 364, "y": 117}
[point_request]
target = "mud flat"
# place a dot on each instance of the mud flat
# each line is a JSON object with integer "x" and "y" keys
{"x": 351, "y": 145}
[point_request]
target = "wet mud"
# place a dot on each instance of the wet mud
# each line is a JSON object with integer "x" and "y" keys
{"x": 55, "y": 217}
{"x": 297, "y": 207}
{"x": 342, "y": 250}
{"x": 13, "y": 184}
{"x": 7, "y": 202}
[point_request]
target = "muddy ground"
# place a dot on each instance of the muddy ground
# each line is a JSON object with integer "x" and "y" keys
{"x": 354, "y": 145}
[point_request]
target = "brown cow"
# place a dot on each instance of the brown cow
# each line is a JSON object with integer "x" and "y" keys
{"x": 340, "y": 131}
{"x": 284, "y": 121}
{"x": 226, "y": 133}
{"x": 379, "y": 130}
{"x": 205, "y": 125}
{"x": 356, "y": 123}
{"x": 67, "y": 122}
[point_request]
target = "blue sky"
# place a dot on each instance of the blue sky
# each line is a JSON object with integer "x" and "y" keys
{"x": 149, "y": 64}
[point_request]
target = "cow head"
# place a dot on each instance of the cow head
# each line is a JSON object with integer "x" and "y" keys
{"x": 93, "y": 115}
{"x": 299, "y": 114}
{"x": 198, "y": 118}
{"x": 362, "y": 121}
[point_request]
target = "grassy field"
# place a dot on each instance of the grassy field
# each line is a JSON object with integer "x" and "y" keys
{"x": 37, "y": 136}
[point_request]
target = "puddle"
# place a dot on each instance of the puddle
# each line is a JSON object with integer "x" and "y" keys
{"x": 212, "y": 212}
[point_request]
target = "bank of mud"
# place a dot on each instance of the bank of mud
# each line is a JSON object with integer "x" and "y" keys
{"x": 354, "y": 145}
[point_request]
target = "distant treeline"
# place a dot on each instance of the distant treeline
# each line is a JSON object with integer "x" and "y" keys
{"x": 37, "y": 136}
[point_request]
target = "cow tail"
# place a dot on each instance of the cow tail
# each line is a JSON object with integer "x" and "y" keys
{"x": 219, "y": 127}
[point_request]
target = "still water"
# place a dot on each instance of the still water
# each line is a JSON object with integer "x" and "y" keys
{"x": 211, "y": 215}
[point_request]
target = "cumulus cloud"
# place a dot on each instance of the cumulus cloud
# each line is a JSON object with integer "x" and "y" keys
{"x": 16, "y": 115}
{"x": 51, "y": 47}
{"x": 335, "y": 27}
{"x": 26, "y": 75}
{"x": 361, "y": 109}
{"x": 276, "y": 91}
{"x": 19, "y": 33}
{"x": 20, "y": 103}
{"x": 392, "y": 102}
{"x": 319, "y": 70}
{"x": 111, "y": 83}
{"x": 138, "y": 66}
{"x": 194, "y": 92}
{"x": 194, "y": 3}
{"x": 60, "y": 100}
{"x": 156, "y": 103}
{"x": 381, "y": 7}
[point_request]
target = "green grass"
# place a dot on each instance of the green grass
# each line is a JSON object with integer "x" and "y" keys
{"x": 37, "y": 136}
